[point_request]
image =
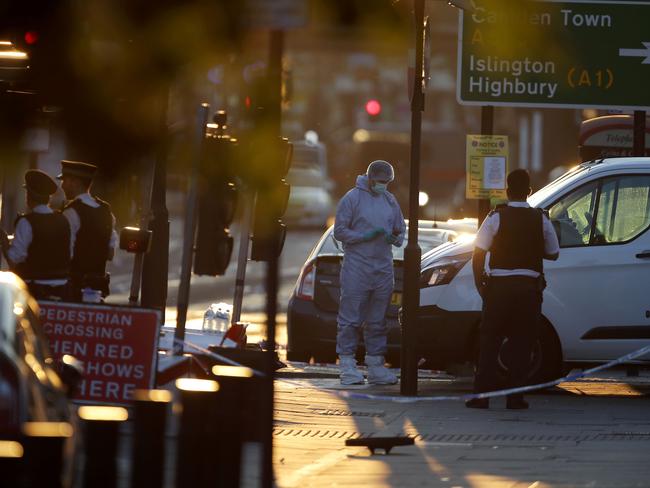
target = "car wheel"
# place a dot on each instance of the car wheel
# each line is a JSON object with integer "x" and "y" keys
{"x": 300, "y": 355}
{"x": 325, "y": 355}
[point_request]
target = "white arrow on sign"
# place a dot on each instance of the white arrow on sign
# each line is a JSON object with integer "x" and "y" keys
{"x": 645, "y": 52}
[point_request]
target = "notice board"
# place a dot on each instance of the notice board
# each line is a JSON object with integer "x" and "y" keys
{"x": 486, "y": 166}
{"x": 117, "y": 346}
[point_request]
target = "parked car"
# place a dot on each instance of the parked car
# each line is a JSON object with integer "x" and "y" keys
{"x": 310, "y": 203}
{"x": 314, "y": 303}
{"x": 33, "y": 387}
{"x": 596, "y": 305}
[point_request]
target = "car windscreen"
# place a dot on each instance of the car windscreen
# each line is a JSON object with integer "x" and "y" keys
{"x": 427, "y": 238}
{"x": 305, "y": 177}
{"x": 537, "y": 198}
{"x": 304, "y": 157}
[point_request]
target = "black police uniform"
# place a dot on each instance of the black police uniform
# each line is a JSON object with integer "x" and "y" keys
{"x": 91, "y": 247}
{"x": 48, "y": 255}
{"x": 93, "y": 236}
{"x": 512, "y": 304}
{"x": 45, "y": 267}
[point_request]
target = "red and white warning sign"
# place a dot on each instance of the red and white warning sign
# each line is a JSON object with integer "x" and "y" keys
{"x": 117, "y": 346}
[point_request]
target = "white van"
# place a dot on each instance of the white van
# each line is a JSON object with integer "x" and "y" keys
{"x": 597, "y": 302}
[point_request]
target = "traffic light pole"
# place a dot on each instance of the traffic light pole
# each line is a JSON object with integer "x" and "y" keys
{"x": 413, "y": 253}
{"x": 189, "y": 229}
{"x": 274, "y": 87}
{"x": 138, "y": 261}
{"x": 156, "y": 261}
{"x": 248, "y": 198}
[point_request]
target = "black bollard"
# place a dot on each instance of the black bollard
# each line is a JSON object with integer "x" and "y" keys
{"x": 195, "y": 461}
{"x": 229, "y": 422}
{"x": 11, "y": 464}
{"x": 101, "y": 434}
{"x": 44, "y": 444}
{"x": 150, "y": 409}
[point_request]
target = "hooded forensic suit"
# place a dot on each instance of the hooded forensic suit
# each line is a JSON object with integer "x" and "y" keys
{"x": 368, "y": 223}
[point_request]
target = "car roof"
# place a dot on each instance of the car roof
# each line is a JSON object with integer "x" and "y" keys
{"x": 607, "y": 164}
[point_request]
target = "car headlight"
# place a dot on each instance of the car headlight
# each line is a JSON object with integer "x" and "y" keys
{"x": 443, "y": 271}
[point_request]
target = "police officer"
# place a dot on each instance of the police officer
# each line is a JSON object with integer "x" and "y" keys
{"x": 518, "y": 238}
{"x": 40, "y": 250}
{"x": 92, "y": 226}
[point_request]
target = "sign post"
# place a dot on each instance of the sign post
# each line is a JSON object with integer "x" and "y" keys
{"x": 566, "y": 54}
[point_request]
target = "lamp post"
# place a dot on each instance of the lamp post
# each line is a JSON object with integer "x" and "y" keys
{"x": 413, "y": 253}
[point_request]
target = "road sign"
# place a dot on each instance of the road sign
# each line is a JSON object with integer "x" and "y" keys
{"x": 487, "y": 166}
{"x": 116, "y": 345}
{"x": 555, "y": 54}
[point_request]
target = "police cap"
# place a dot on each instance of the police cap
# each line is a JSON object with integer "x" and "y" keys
{"x": 78, "y": 169}
{"x": 39, "y": 183}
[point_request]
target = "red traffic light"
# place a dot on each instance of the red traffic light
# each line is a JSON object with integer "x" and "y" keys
{"x": 31, "y": 37}
{"x": 373, "y": 107}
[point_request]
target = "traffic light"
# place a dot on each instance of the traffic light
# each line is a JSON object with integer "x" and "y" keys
{"x": 373, "y": 109}
{"x": 217, "y": 201}
{"x": 272, "y": 198}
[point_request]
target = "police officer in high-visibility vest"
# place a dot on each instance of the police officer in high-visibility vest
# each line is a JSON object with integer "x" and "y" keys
{"x": 92, "y": 226}
{"x": 40, "y": 250}
{"x": 518, "y": 238}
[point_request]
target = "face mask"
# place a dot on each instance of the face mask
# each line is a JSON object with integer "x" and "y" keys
{"x": 379, "y": 187}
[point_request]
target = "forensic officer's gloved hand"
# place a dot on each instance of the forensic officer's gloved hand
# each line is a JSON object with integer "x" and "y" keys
{"x": 371, "y": 234}
{"x": 391, "y": 239}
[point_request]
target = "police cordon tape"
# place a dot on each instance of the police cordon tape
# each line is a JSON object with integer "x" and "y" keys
{"x": 468, "y": 396}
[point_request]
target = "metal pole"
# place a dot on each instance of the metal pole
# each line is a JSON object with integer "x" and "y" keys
{"x": 156, "y": 261}
{"x": 639, "y": 133}
{"x": 487, "y": 129}
{"x": 248, "y": 198}
{"x": 138, "y": 261}
{"x": 189, "y": 230}
{"x": 413, "y": 253}
{"x": 274, "y": 85}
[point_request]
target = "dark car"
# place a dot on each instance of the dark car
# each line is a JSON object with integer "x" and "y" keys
{"x": 314, "y": 303}
{"x": 33, "y": 387}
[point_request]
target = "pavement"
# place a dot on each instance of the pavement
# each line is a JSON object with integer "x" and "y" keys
{"x": 588, "y": 433}
{"x": 593, "y": 432}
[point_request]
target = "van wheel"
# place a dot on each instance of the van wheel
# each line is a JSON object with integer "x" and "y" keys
{"x": 546, "y": 357}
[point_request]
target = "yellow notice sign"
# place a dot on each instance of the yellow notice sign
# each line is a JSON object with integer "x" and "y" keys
{"x": 487, "y": 166}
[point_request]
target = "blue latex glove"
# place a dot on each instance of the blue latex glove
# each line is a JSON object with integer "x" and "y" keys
{"x": 391, "y": 238}
{"x": 371, "y": 234}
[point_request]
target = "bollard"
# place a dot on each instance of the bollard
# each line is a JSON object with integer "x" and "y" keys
{"x": 11, "y": 464}
{"x": 229, "y": 422}
{"x": 150, "y": 409}
{"x": 195, "y": 461}
{"x": 101, "y": 432}
{"x": 253, "y": 409}
{"x": 44, "y": 444}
